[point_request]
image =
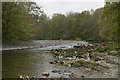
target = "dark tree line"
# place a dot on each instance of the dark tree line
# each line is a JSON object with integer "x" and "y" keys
{"x": 26, "y": 21}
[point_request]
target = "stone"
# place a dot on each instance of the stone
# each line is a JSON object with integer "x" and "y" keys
{"x": 97, "y": 44}
{"x": 113, "y": 51}
{"x": 77, "y": 46}
{"x": 33, "y": 77}
{"x": 46, "y": 74}
{"x": 82, "y": 76}
{"x": 52, "y": 62}
{"x": 61, "y": 62}
{"x": 56, "y": 61}
{"x": 69, "y": 58}
{"x": 74, "y": 57}
{"x": 70, "y": 64}
{"x": 75, "y": 52}
{"x": 60, "y": 56}
{"x": 90, "y": 45}
{"x": 24, "y": 77}
{"x": 71, "y": 75}
{"x": 56, "y": 71}
{"x": 88, "y": 69}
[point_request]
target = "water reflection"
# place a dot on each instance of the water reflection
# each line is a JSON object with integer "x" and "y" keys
{"x": 21, "y": 62}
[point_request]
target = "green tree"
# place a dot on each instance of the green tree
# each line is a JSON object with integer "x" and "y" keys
{"x": 18, "y": 20}
{"x": 108, "y": 21}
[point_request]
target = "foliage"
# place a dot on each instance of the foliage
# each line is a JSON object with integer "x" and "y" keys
{"x": 18, "y": 20}
{"x": 78, "y": 39}
{"x": 108, "y": 21}
{"x": 101, "y": 48}
{"x": 96, "y": 56}
{"x": 112, "y": 46}
{"x": 92, "y": 65}
{"x": 25, "y": 21}
{"x": 114, "y": 54}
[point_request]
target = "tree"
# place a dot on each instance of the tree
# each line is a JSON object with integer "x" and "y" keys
{"x": 18, "y": 20}
{"x": 108, "y": 21}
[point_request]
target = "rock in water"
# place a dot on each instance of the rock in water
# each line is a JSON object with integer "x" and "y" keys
{"x": 46, "y": 74}
{"x": 56, "y": 71}
{"x": 69, "y": 58}
{"x": 77, "y": 46}
{"x": 51, "y": 62}
{"x": 24, "y": 77}
{"x": 21, "y": 76}
{"x": 61, "y": 62}
{"x": 82, "y": 76}
{"x": 33, "y": 77}
{"x": 54, "y": 62}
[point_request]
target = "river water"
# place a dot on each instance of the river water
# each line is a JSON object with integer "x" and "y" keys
{"x": 32, "y": 58}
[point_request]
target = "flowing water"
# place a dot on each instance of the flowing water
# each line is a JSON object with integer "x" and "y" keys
{"x": 32, "y": 58}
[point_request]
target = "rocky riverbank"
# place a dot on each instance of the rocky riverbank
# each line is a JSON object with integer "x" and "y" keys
{"x": 93, "y": 60}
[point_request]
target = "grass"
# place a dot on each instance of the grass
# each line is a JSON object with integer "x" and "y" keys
{"x": 69, "y": 52}
{"x": 59, "y": 50}
{"x": 113, "y": 54}
{"x": 66, "y": 54}
{"x": 100, "y": 48}
{"x": 96, "y": 56}
{"x": 89, "y": 64}
{"x": 107, "y": 47}
{"x": 80, "y": 63}
{"x": 112, "y": 46}
{"x": 86, "y": 63}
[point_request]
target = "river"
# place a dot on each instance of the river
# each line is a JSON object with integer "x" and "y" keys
{"x": 32, "y": 58}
